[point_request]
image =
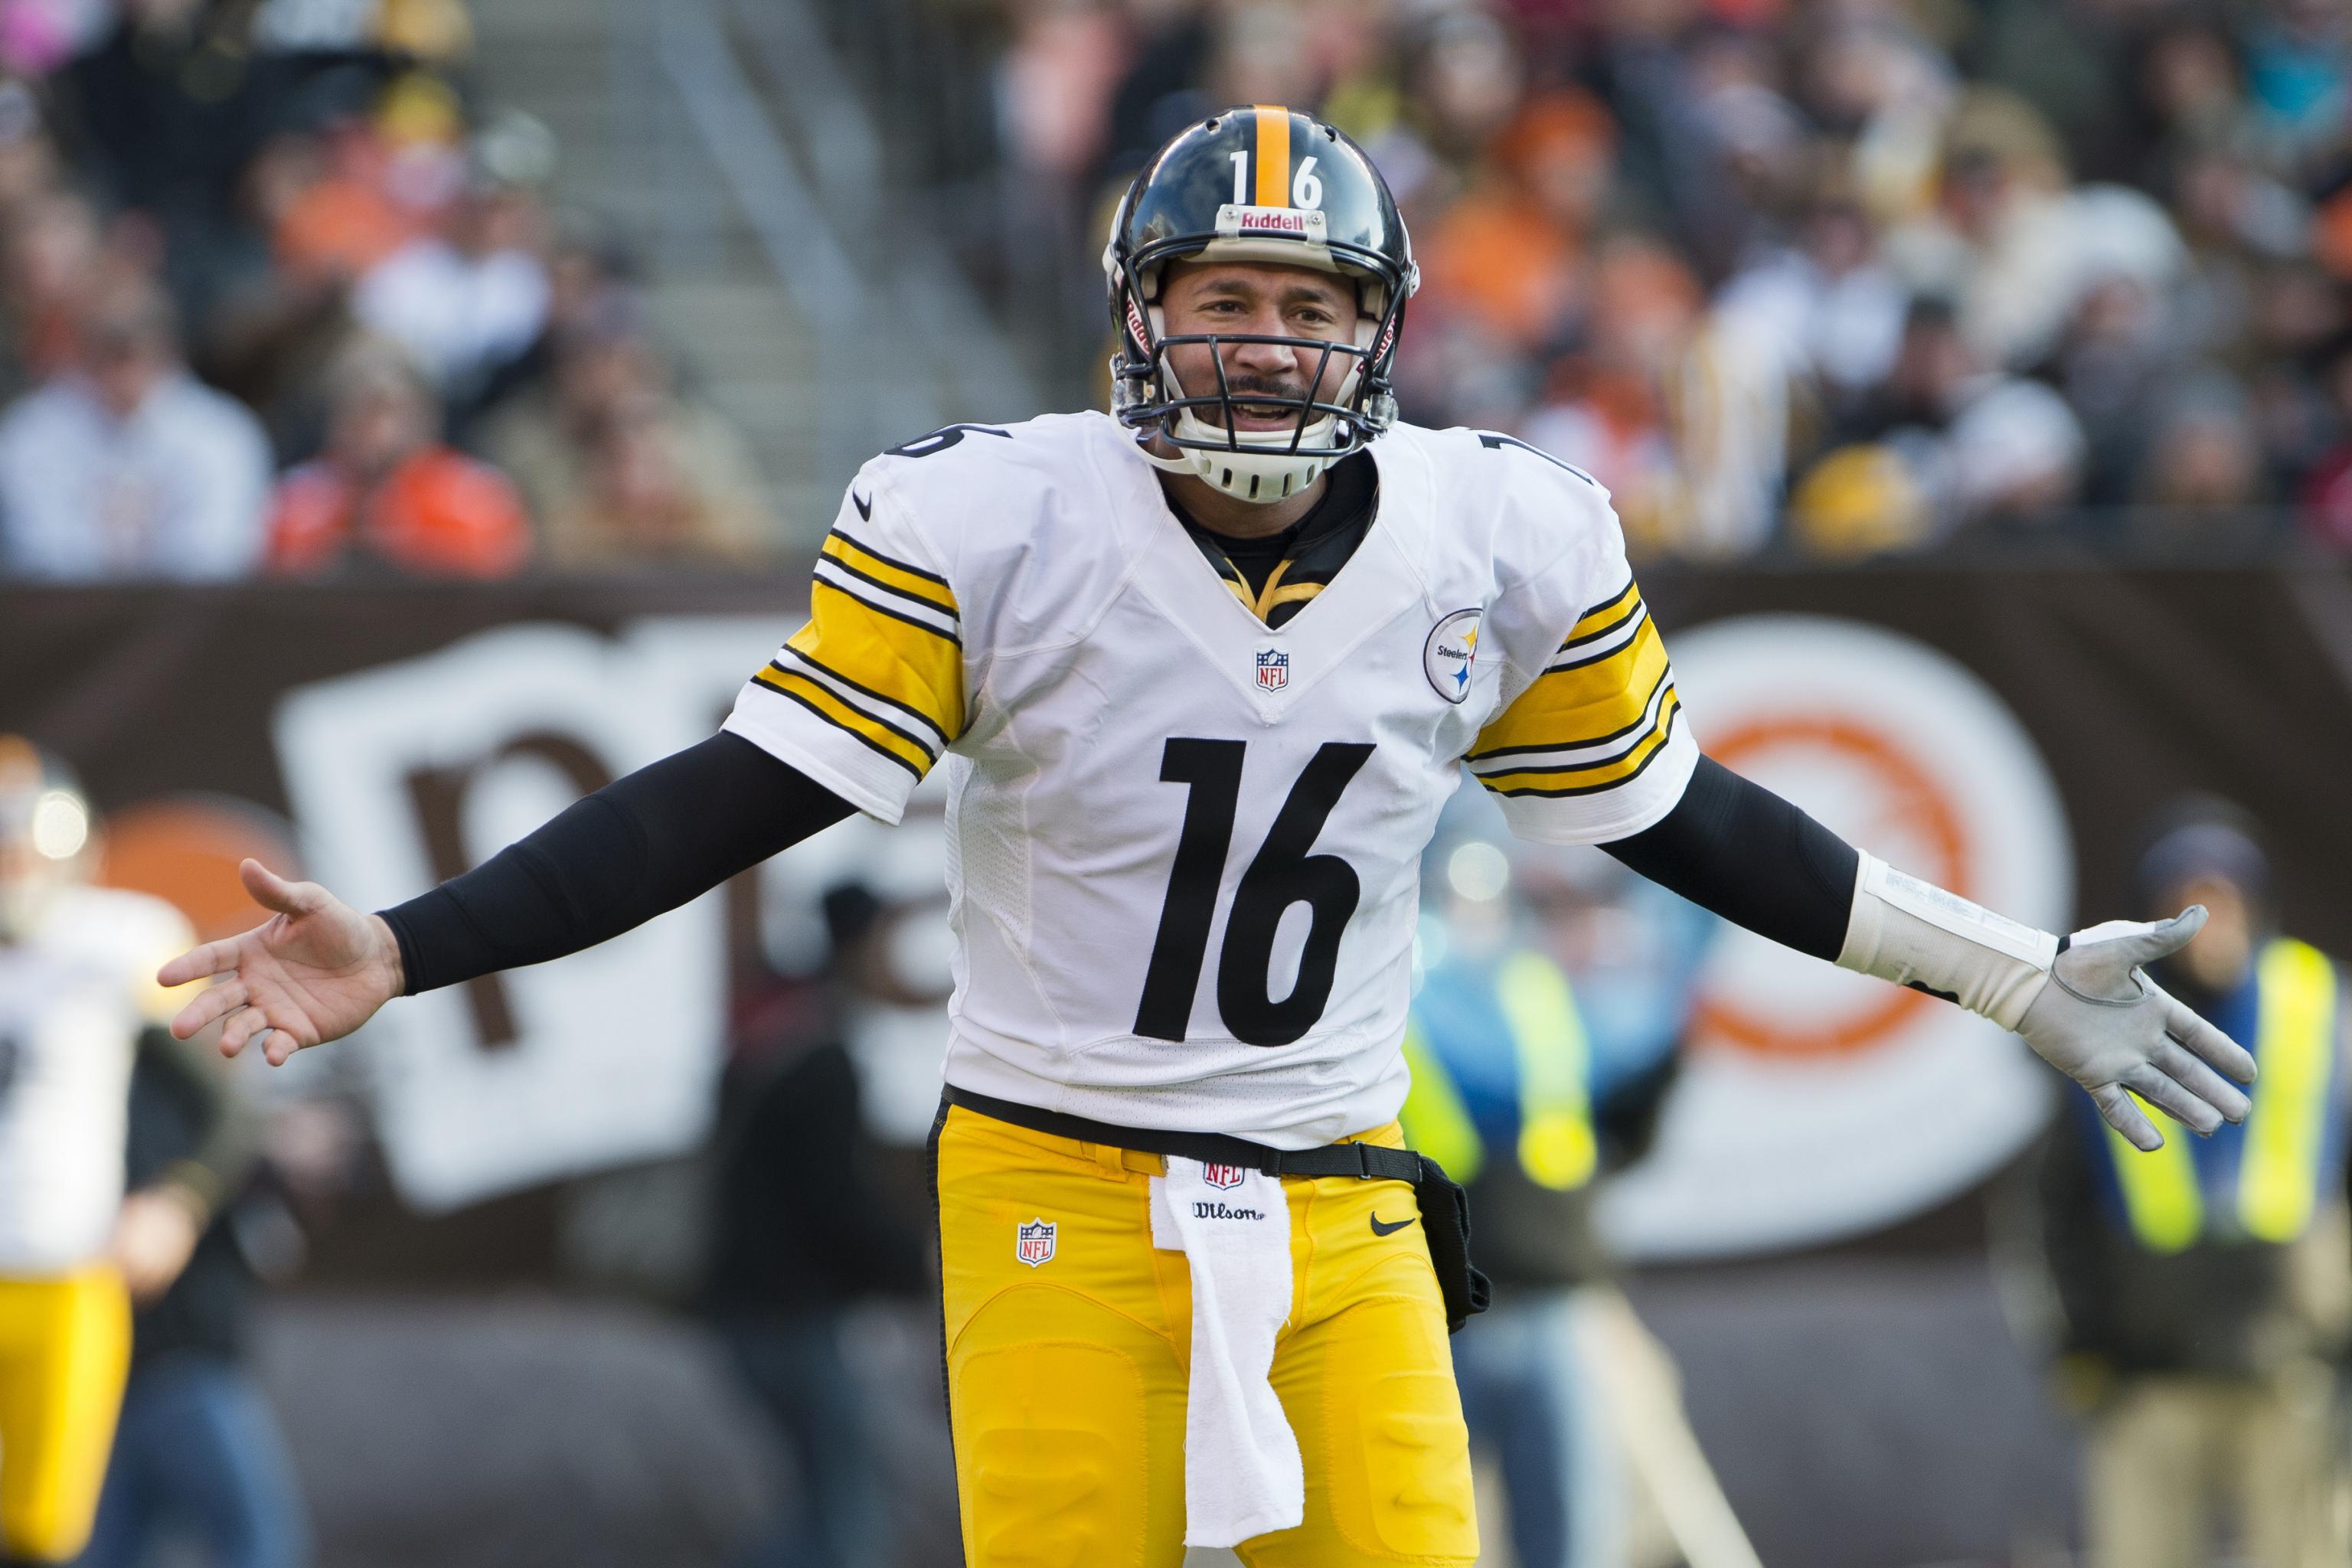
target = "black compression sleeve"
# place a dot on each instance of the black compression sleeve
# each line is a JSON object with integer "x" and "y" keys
{"x": 1738, "y": 849}
{"x": 638, "y": 847}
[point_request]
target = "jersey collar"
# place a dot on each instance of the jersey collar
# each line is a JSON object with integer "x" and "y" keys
{"x": 1381, "y": 581}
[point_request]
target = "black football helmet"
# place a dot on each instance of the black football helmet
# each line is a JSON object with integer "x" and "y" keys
{"x": 45, "y": 834}
{"x": 1259, "y": 183}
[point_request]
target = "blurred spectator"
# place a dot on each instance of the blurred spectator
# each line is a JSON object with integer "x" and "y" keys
{"x": 29, "y": 158}
{"x": 2205, "y": 452}
{"x": 323, "y": 207}
{"x": 198, "y": 1455}
{"x": 2327, "y": 491}
{"x": 2013, "y": 246}
{"x": 1824, "y": 310}
{"x": 1527, "y": 1090}
{"x": 2118, "y": 355}
{"x": 621, "y": 468}
{"x": 801, "y": 1234}
{"x": 168, "y": 107}
{"x": 2297, "y": 53}
{"x": 1505, "y": 257}
{"x": 1608, "y": 403}
{"x": 2206, "y": 1290}
{"x": 127, "y": 466}
{"x": 386, "y": 492}
{"x": 52, "y": 253}
{"x": 473, "y": 297}
{"x": 1973, "y": 443}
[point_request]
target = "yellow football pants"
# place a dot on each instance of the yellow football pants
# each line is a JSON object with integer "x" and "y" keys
{"x": 1066, "y": 1378}
{"x": 65, "y": 1350}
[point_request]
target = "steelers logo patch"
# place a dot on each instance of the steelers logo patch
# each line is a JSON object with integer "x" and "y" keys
{"x": 1450, "y": 653}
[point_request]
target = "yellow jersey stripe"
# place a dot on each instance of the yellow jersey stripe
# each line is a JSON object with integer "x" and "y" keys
{"x": 885, "y": 572}
{"x": 896, "y": 656}
{"x": 1602, "y": 616}
{"x": 1584, "y": 706}
{"x": 1596, "y": 777}
{"x": 1601, "y": 635}
{"x": 1628, "y": 731}
{"x": 888, "y": 740}
{"x": 859, "y": 591}
{"x": 909, "y": 568}
{"x": 927, "y": 726}
{"x": 1273, "y": 155}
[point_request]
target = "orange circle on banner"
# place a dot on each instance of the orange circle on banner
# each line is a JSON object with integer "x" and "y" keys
{"x": 1913, "y": 797}
{"x": 184, "y": 849}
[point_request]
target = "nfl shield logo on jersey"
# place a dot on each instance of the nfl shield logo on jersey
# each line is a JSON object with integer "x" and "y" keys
{"x": 1273, "y": 669}
{"x": 1034, "y": 1242}
{"x": 1223, "y": 1176}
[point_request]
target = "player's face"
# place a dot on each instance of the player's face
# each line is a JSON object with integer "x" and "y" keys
{"x": 1260, "y": 300}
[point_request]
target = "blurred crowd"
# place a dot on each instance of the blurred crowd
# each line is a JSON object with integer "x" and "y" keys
{"x": 1834, "y": 277}
{"x": 276, "y": 298}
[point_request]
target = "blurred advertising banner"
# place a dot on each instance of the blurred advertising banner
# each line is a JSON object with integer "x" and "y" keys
{"x": 1898, "y": 749}
{"x": 405, "y": 734}
{"x": 2005, "y": 731}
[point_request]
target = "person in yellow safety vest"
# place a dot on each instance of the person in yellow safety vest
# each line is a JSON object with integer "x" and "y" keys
{"x": 1537, "y": 1059}
{"x": 2206, "y": 1289}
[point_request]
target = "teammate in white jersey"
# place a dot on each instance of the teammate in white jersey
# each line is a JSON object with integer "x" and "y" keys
{"x": 1203, "y": 672}
{"x": 78, "y": 1001}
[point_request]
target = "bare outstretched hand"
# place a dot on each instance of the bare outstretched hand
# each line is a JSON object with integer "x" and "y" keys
{"x": 316, "y": 970}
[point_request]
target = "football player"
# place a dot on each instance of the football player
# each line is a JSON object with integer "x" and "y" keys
{"x": 78, "y": 1003}
{"x": 1202, "y": 671}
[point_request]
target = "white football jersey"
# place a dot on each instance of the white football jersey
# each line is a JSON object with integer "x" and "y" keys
{"x": 1183, "y": 848}
{"x": 73, "y": 998}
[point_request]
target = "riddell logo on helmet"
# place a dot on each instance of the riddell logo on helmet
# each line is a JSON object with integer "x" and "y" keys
{"x": 1234, "y": 222}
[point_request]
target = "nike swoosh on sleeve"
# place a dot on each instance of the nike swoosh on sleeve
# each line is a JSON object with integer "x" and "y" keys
{"x": 865, "y": 508}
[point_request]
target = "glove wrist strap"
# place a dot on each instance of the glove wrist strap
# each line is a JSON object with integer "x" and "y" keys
{"x": 1916, "y": 934}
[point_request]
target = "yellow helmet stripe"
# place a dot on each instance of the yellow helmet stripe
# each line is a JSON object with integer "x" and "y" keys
{"x": 1273, "y": 155}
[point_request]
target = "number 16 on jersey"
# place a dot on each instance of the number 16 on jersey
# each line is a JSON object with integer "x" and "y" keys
{"x": 1282, "y": 873}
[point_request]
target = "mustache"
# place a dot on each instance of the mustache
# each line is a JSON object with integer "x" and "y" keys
{"x": 1241, "y": 387}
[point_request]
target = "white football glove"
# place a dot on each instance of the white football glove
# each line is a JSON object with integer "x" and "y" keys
{"x": 2105, "y": 1024}
{"x": 2088, "y": 1010}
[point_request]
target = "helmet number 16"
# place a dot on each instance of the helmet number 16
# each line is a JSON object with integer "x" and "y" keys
{"x": 1306, "y": 189}
{"x": 1281, "y": 874}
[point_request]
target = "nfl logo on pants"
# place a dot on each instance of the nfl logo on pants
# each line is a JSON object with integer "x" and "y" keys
{"x": 1273, "y": 669}
{"x": 1034, "y": 1244}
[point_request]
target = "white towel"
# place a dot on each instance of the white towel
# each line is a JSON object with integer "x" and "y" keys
{"x": 1242, "y": 1470}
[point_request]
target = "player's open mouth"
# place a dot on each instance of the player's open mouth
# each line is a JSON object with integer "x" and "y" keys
{"x": 1263, "y": 415}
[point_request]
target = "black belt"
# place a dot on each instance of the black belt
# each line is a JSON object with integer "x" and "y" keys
{"x": 1366, "y": 1162}
{"x": 1445, "y": 1206}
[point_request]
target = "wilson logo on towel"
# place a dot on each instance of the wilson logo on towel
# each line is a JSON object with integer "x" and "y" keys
{"x": 1210, "y": 1209}
{"x": 1034, "y": 1244}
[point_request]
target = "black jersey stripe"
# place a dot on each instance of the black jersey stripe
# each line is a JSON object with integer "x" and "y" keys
{"x": 1647, "y": 723}
{"x": 911, "y": 712}
{"x": 1640, "y": 612}
{"x": 1600, "y": 632}
{"x": 929, "y": 749}
{"x": 1649, "y": 700}
{"x": 868, "y": 741}
{"x": 846, "y": 592}
{"x": 890, "y": 560}
{"x": 1666, "y": 741}
{"x": 838, "y": 565}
